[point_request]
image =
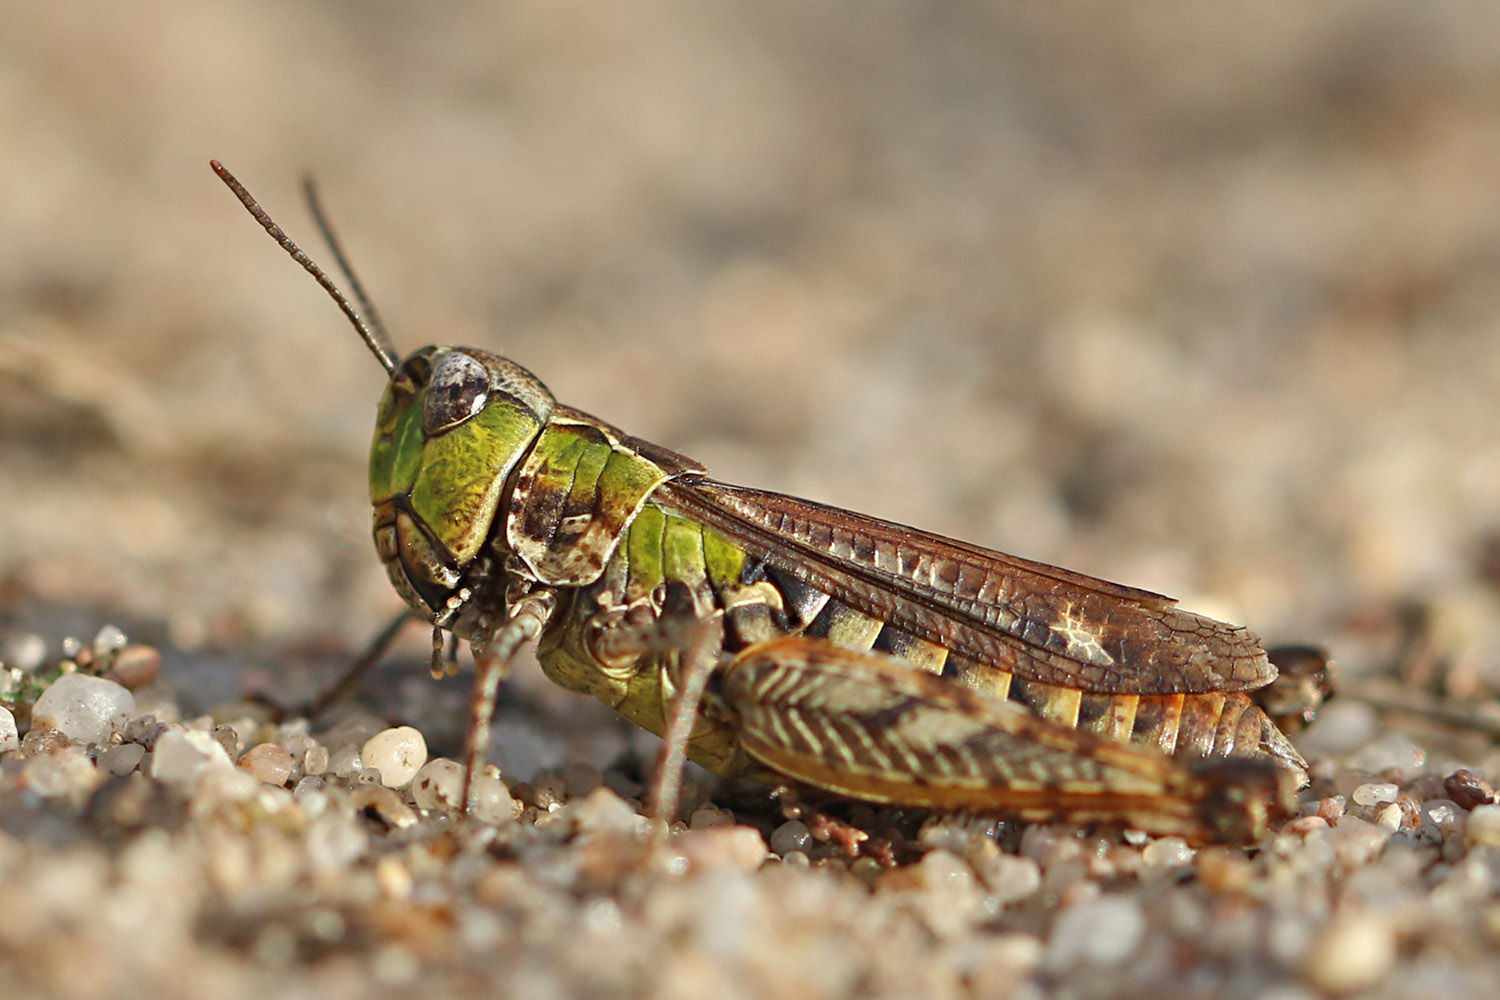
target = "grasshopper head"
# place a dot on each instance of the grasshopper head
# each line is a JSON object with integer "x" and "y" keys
{"x": 453, "y": 423}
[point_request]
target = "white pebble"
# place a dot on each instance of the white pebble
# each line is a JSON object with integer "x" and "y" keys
{"x": 1103, "y": 931}
{"x": 490, "y": 801}
{"x": 9, "y": 735}
{"x": 1375, "y": 792}
{"x": 1484, "y": 827}
{"x": 942, "y": 871}
{"x": 122, "y": 759}
{"x": 1354, "y": 952}
{"x": 65, "y": 772}
{"x": 439, "y": 785}
{"x": 334, "y": 841}
{"x": 108, "y": 639}
{"x": 1441, "y": 811}
{"x": 1167, "y": 852}
{"x": 708, "y": 818}
{"x": 1003, "y": 966}
{"x": 315, "y": 761}
{"x": 793, "y": 835}
{"x": 85, "y": 709}
{"x": 226, "y": 785}
{"x": 737, "y": 848}
{"x": 398, "y": 754}
{"x": 602, "y": 811}
{"x": 344, "y": 761}
{"x": 393, "y": 877}
{"x": 1010, "y": 878}
{"x": 270, "y": 764}
{"x": 181, "y": 756}
{"x": 25, "y": 651}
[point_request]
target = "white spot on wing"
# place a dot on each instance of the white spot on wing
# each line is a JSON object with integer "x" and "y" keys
{"x": 1081, "y": 643}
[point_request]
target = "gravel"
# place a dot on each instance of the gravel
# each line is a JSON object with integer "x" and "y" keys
{"x": 255, "y": 861}
{"x": 1200, "y": 298}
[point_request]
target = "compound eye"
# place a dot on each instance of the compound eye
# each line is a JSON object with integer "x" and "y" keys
{"x": 459, "y": 388}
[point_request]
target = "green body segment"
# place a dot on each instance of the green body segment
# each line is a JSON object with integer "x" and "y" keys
{"x": 574, "y": 496}
{"x": 658, "y": 549}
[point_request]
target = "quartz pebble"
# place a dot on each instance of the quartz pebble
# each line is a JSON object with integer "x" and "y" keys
{"x": 1102, "y": 931}
{"x": 1374, "y": 793}
{"x": 1010, "y": 878}
{"x": 439, "y": 785}
{"x": 40, "y": 740}
{"x": 315, "y": 760}
{"x": 1354, "y": 952}
{"x": 1167, "y": 852}
{"x": 793, "y": 835}
{"x": 229, "y": 739}
{"x": 24, "y": 651}
{"x": 344, "y": 761}
{"x": 1003, "y": 966}
{"x": 108, "y": 639}
{"x": 224, "y": 785}
{"x": 122, "y": 759}
{"x": 9, "y": 735}
{"x": 135, "y": 666}
{"x": 708, "y": 817}
{"x": 398, "y": 754}
{"x": 66, "y": 772}
{"x": 85, "y": 709}
{"x": 489, "y": 800}
{"x": 393, "y": 877}
{"x": 269, "y": 763}
{"x": 736, "y": 847}
{"x": 181, "y": 756}
{"x": 1483, "y": 829}
{"x": 942, "y": 871}
{"x": 602, "y": 811}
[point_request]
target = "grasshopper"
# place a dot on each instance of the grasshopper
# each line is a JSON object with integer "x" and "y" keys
{"x": 768, "y": 636}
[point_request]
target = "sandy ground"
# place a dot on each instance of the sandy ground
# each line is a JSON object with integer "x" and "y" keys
{"x": 1198, "y": 299}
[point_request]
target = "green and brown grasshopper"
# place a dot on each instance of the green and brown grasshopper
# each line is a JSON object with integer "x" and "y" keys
{"x": 764, "y": 635}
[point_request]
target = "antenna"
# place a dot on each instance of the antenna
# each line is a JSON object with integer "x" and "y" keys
{"x": 373, "y": 333}
{"x": 366, "y": 306}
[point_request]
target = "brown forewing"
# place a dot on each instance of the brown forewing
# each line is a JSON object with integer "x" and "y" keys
{"x": 1039, "y": 622}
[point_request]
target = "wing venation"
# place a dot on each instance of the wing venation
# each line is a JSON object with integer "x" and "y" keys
{"x": 1040, "y": 622}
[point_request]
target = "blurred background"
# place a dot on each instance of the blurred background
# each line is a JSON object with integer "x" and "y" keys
{"x": 1201, "y": 299}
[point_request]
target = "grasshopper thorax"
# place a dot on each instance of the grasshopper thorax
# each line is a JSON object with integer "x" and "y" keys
{"x": 452, "y": 426}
